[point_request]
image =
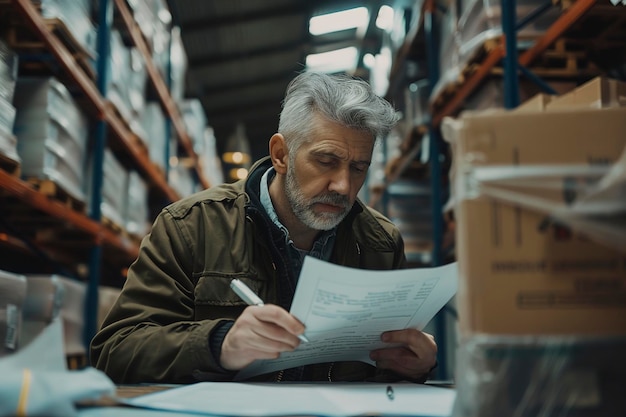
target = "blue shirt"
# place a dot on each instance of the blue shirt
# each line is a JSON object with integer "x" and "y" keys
{"x": 323, "y": 245}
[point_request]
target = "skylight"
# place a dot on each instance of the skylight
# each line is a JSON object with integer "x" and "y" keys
{"x": 344, "y": 59}
{"x": 337, "y": 21}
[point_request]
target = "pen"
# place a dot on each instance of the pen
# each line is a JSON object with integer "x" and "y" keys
{"x": 246, "y": 294}
{"x": 390, "y": 393}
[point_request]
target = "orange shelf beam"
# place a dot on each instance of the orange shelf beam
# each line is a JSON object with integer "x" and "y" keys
{"x": 28, "y": 195}
{"x": 556, "y": 30}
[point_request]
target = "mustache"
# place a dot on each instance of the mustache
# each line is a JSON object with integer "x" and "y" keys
{"x": 334, "y": 199}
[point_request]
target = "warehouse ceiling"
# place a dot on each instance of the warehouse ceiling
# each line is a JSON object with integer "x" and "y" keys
{"x": 242, "y": 54}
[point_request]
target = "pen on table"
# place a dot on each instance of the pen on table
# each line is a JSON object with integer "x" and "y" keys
{"x": 246, "y": 294}
{"x": 390, "y": 393}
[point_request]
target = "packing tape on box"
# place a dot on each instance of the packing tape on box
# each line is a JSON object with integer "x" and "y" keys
{"x": 588, "y": 198}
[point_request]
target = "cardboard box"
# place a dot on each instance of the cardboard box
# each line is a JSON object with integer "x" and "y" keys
{"x": 520, "y": 271}
{"x": 600, "y": 92}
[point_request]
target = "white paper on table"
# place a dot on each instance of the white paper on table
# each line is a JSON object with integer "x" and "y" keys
{"x": 345, "y": 310}
{"x": 272, "y": 399}
{"x": 35, "y": 380}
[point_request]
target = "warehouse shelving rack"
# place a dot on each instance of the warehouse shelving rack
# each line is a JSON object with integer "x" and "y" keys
{"x": 89, "y": 238}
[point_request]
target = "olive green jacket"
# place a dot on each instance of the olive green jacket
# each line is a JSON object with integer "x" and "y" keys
{"x": 177, "y": 291}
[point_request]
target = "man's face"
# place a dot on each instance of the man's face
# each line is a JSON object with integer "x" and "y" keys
{"x": 326, "y": 173}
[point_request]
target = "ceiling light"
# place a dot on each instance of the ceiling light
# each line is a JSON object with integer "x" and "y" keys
{"x": 344, "y": 59}
{"x": 384, "y": 20}
{"x": 334, "y": 22}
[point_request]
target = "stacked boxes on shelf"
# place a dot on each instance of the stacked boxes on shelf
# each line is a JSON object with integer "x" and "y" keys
{"x": 52, "y": 134}
{"x": 182, "y": 179}
{"x": 73, "y": 315}
{"x": 8, "y": 77}
{"x": 469, "y": 24}
{"x": 153, "y": 122}
{"x": 30, "y": 302}
{"x": 127, "y": 82}
{"x": 195, "y": 122}
{"x": 76, "y": 16}
{"x": 210, "y": 160}
{"x": 154, "y": 20}
{"x": 43, "y": 303}
{"x": 178, "y": 65}
{"x": 12, "y": 295}
{"x": 114, "y": 189}
{"x": 137, "y": 212}
{"x": 541, "y": 252}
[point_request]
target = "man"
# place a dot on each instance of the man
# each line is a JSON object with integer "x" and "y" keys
{"x": 178, "y": 321}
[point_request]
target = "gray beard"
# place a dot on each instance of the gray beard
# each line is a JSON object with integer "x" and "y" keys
{"x": 303, "y": 208}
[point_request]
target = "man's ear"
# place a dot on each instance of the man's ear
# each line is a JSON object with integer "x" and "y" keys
{"x": 278, "y": 153}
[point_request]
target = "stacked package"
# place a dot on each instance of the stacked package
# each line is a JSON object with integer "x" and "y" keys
{"x": 76, "y": 16}
{"x": 52, "y": 134}
{"x": 43, "y": 303}
{"x": 113, "y": 192}
{"x": 12, "y": 295}
{"x": 195, "y": 122}
{"x": 210, "y": 160}
{"x": 137, "y": 213}
{"x": 153, "y": 122}
{"x": 8, "y": 77}
{"x": 127, "y": 82}
{"x": 469, "y": 24}
{"x": 154, "y": 20}
{"x": 540, "y": 203}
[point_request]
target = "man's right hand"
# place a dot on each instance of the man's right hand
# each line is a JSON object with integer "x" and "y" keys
{"x": 261, "y": 332}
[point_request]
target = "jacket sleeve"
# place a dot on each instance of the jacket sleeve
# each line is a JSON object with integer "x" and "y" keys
{"x": 150, "y": 334}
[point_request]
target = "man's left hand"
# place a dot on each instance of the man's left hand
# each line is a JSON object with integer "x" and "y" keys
{"x": 415, "y": 356}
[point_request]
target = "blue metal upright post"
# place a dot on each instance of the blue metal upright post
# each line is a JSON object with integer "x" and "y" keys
{"x": 509, "y": 28}
{"x": 430, "y": 31}
{"x": 105, "y": 19}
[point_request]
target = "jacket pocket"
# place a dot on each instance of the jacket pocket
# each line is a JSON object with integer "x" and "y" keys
{"x": 214, "y": 290}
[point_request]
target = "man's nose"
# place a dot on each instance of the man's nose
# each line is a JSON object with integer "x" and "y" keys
{"x": 340, "y": 181}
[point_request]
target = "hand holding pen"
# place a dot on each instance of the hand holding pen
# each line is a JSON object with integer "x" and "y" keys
{"x": 246, "y": 294}
{"x": 258, "y": 333}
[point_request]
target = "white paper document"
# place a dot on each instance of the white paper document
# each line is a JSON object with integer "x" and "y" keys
{"x": 345, "y": 310}
{"x": 330, "y": 400}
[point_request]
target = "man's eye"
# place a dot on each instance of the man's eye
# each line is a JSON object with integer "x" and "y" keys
{"x": 325, "y": 162}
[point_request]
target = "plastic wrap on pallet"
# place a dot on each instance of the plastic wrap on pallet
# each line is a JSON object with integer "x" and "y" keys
{"x": 153, "y": 123}
{"x": 52, "y": 134}
{"x": 467, "y": 28}
{"x": 195, "y": 123}
{"x": 76, "y": 15}
{"x": 12, "y": 295}
{"x": 548, "y": 376}
{"x": 178, "y": 65}
{"x": 119, "y": 79}
{"x": 114, "y": 182}
{"x": 209, "y": 159}
{"x": 181, "y": 179}
{"x": 43, "y": 303}
{"x": 152, "y": 17}
{"x": 8, "y": 145}
{"x": 7, "y": 116}
{"x": 8, "y": 71}
{"x": 137, "y": 211}
{"x": 73, "y": 315}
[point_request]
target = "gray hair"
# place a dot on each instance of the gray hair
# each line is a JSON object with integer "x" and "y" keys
{"x": 339, "y": 98}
